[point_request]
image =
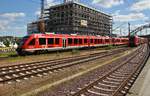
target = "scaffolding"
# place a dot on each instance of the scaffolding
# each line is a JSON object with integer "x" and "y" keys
{"x": 76, "y": 18}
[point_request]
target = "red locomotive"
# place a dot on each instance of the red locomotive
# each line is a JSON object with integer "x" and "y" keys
{"x": 53, "y": 42}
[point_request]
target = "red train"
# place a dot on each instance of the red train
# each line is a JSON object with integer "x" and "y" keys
{"x": 52, "y": 42}
{"x": 136, "y": 41}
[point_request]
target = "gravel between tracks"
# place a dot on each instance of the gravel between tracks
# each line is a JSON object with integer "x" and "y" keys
{"x": 65, "y": 86}
{"x": 36, "y": 82}
{"x": 71, "y": 86}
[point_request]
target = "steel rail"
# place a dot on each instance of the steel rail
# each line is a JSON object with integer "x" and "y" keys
{"x": 22, "y": 73}
{"x": 89, "y": 86}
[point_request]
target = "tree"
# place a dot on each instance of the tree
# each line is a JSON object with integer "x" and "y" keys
{"x": 6, "y": 43}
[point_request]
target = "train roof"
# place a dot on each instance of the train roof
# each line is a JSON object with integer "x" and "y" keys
{"x": 67, "y": 35}
{"x": 72, "y": 36}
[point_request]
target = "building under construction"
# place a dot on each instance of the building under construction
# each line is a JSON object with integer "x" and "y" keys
{"x": 76, "y": 18}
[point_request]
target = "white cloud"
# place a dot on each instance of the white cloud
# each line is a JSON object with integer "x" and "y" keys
{"x": 38, "y": 13}
{"x": 49, "y": 3}
{"x": 108, "y": 3}
{"x": 136, "y": 26}
{"x": 124, "y": 29}
{"x": 130, "y": 17}
{"x": 141, "y": 5}
{"x": 6, "y": 19}
{"x": 52, "y": 2}
{"x": 12, "y": 16}
{"x": 4, "y": 24}
{"x": 117, "y": 12}
{"x": 134, "y": 18}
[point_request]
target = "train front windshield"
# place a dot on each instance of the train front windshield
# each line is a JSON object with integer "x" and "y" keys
{"x": 131, "y": 39}
{"x": 24, "y": 39}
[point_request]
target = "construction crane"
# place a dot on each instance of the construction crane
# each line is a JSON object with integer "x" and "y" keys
{"x": 41, "y": 23}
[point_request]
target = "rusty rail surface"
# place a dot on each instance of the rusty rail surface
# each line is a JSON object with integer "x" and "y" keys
{"x": 27, "y": 70}
{"x": 117, "y": 81}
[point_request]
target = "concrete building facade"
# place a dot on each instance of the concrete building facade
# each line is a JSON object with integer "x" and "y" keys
{"x": 76, "y": 18}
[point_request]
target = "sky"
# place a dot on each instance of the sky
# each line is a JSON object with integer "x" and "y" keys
{"x": 15, "y": 14}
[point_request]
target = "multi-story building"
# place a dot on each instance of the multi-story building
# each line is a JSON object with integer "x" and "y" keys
{"x": 33, "y": 28}
{"x": 76, "y": 18}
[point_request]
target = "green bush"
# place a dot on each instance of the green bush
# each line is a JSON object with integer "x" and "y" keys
{"x": 75, "y": 51}
{"x": 6, "y": 43}
{"x": 109, "y": 47}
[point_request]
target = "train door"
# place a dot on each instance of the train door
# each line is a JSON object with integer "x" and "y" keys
{"x": 88, "y": 42}
{"x": 64, "y": 42}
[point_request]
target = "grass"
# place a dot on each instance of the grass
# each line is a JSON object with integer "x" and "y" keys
{"x": 13, "y": 57}
{"x": 75, "y": 51}
{"x": 109, "y": 47}
{"x": 8, "y": 54}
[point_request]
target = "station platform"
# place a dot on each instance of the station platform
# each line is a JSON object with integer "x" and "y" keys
{"x": 141, "y": 87}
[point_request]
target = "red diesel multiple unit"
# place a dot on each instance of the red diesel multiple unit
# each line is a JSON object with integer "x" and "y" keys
{"x": 52, "y": 42}
{"x": 136, "y": 41}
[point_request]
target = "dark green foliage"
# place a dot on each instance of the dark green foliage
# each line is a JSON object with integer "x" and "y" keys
{"x": 6, "y": 42}
{"x": 109, "y": 47}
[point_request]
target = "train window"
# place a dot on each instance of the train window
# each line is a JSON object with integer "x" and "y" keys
{"x": 75, "y": 41}
{"x": 113, "y": 40}
{"x": 85, "y": 40}
{"x": 69, "y": 41}
{"x": 32, "y": 42}
{"x": 24, "y": 39}
{"x": 107, "y": 40}
{"x": 118, "y": 40}
{"x": 42, "y": 41}
{"x": 100, "y": 40}
{"x": 91, "y": 40}
{"x": 95, "y": 41}
{"x": 80, "y": 41}
{"x": 50, "y": 40}
{"x": 57, "y": 41}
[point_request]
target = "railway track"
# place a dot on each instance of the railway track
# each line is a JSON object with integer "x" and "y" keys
{"x": 117, "y": 81}
{"x": 28, "y": 70}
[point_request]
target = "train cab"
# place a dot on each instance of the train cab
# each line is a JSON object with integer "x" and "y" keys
{"x": 26, "y": 43}
{"x": 133, "y": 41}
